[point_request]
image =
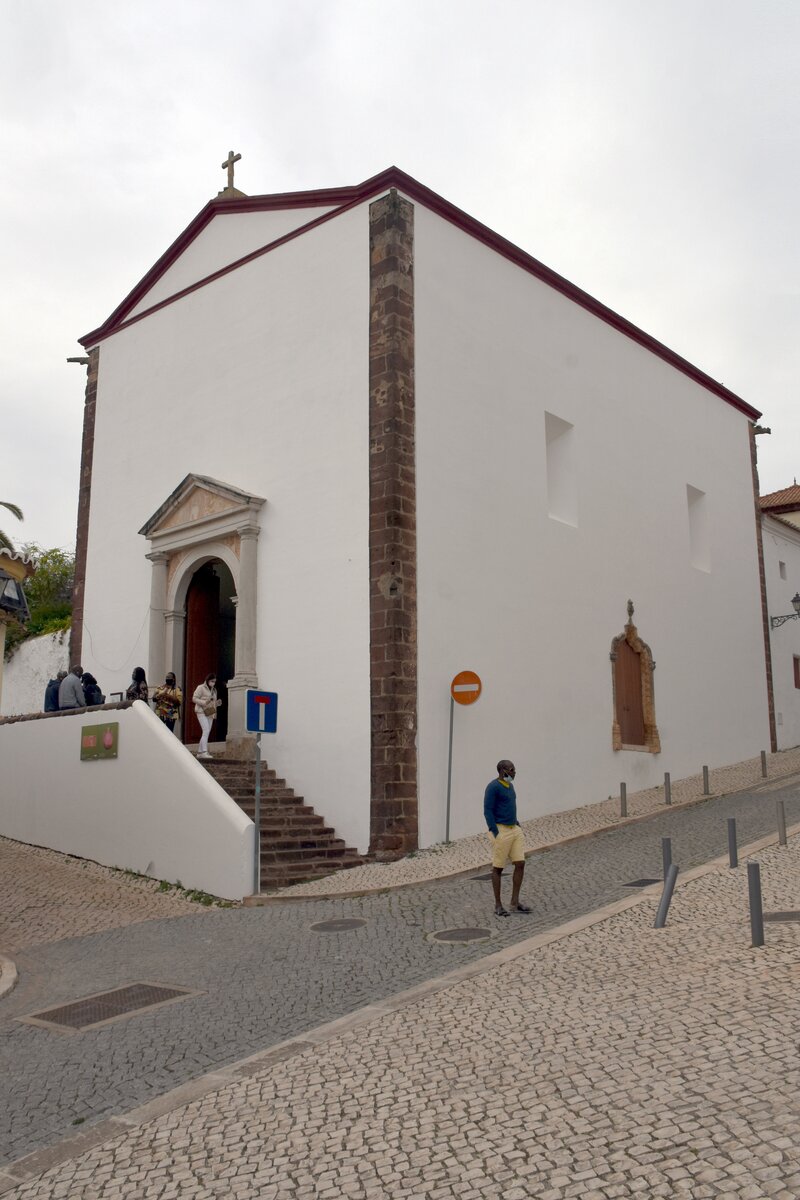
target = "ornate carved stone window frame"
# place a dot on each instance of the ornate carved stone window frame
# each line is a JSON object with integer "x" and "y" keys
{"x": 652, "y": 741}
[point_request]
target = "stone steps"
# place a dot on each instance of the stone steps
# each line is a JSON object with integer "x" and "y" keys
{"x": 284, "y": 875}
{"x": 296, "y": 844}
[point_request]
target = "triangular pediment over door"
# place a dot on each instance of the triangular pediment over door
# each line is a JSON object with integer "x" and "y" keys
{"x": 198, "y": 506}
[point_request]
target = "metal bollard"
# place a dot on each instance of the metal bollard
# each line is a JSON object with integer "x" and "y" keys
{"x": 667, "y": 789}
{"x": 666, "y": 897}
{"x": 666, "y": 854}
{"x": 706, "y": 789}
{"x": 781, "y": 814}
{"x": 764, "y": 763}
{"x": 623, "y": 800}
{"x": 756, "y": 911}
{"x": 733, "y": 850}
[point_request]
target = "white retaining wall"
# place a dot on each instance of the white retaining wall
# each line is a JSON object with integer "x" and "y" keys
{"x": 27, "y": 672}
{"x": 153, "y": 809}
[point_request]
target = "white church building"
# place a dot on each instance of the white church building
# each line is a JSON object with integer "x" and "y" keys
{"x": 344, "y": 444}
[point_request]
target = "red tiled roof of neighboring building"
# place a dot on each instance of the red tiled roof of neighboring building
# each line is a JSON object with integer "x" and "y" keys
{"x": 786, "y": 498}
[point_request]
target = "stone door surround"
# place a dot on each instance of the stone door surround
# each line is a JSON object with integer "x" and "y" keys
{"x": 201, "y": 520}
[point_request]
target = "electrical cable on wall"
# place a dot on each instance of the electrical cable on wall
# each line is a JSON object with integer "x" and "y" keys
{"x": 105, "y": 666}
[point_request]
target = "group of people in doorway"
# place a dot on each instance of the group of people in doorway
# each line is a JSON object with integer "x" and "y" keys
{"x": 77, "y": 688}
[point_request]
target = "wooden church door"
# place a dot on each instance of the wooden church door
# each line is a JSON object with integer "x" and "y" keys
{"x": 630, "y": 711}
{"x": 202, "y": 644}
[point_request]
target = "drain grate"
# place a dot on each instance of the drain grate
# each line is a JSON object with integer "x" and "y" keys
{"x": 473, "y": 934}
{"x": 641, "y": 882}
{"x": 103, "y": 1007}
{"x": 782, "y": 916}
{"x": 339, "y": 925}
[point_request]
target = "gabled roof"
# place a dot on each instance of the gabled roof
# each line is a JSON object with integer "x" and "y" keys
{"x": 343, "y": 199}
{"x": 786, "y": 500}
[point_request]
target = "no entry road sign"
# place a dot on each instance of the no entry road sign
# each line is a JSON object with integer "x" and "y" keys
{"x": 262, "y": 711}
{"x": 466, "y": 687}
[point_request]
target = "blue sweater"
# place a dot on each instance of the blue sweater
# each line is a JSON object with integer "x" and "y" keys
{"x": 500, "y": 805}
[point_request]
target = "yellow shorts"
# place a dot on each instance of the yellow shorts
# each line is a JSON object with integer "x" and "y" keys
{"x": 509, "y": 844}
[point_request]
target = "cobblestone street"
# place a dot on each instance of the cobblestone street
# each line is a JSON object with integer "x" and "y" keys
{"x": 265, "y": 976}
{"x": 615, "y": 1061}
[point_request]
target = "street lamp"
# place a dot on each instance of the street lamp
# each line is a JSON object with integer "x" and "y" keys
{"x": 776, "y": 622}
{"x": 12, "y": 598}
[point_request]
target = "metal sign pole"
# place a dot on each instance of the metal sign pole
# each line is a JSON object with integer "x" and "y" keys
{"x": 257, "y": 815}
{"x": 449, "y": 772}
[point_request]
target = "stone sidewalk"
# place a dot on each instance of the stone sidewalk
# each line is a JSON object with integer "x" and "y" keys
{"x": 46, "y": 896}
{"x": 469, "y": 853}
{"x": 603, "y": 1059}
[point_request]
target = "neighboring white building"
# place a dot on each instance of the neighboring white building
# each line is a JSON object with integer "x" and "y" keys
{"x": 780, "y": 527}
{"x": 344, "y": 444}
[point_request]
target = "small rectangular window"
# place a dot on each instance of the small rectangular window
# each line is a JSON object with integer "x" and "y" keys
{"x": 782, "y": 569}
{"x": 699, "y": 537}
{"x": 796, "y": 671}
{"x": 562, "y": 471}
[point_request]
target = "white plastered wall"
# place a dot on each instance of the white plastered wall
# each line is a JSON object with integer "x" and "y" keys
{"x": 226, "y": 238}
{"x": 153, "y": 809}
{"x": 260, "y": 380}
{"x": 782, "y": 545}
{"x": 28, "y": 671}
{"x": 532, "y": 603}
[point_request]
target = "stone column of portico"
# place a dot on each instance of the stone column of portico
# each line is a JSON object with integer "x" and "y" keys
{"x": 156, "y": 659}
{"x": 240, "y": 743}
{"x": 174, "y": 656}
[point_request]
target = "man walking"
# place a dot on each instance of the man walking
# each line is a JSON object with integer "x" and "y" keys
{"x": 500, "y": 811}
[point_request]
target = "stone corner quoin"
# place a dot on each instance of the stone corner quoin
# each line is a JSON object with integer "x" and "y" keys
{"x": 392, "y": 537}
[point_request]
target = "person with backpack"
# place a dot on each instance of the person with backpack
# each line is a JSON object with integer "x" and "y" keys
{"x": 91, "y": 689}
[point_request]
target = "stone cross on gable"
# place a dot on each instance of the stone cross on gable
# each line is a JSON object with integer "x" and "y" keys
{"x": 229, "y": 161}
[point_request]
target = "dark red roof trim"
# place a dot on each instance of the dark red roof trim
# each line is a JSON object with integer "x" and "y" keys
{"x": 348, "y": 197}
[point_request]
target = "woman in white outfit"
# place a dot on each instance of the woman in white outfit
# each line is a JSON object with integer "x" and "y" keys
{"x": 205, "y": 705}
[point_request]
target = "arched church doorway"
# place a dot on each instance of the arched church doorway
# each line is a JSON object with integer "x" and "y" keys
{"x": 210, "y": 642}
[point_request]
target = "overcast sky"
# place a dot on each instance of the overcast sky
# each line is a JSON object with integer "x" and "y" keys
{"x": 645, "y": 149}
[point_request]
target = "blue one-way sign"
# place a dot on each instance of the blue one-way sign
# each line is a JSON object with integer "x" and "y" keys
{"x": 262, "y": 711}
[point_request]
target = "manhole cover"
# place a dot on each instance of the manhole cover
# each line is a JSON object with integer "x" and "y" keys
{"x": 472, "y": 934}
{"x": 107, "y": 1006}
{"x": 782, "y": 916}
{"x": 340, "y": 925}
{"x": 641, "y": 882}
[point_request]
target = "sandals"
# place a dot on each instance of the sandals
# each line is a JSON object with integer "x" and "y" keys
{"x": 522, "y": 908}
{"x": 500, "y": 911}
